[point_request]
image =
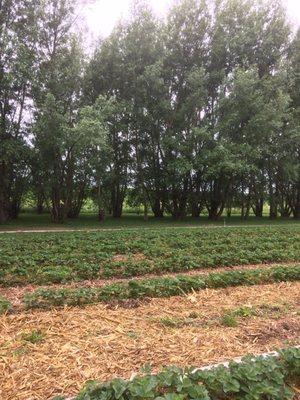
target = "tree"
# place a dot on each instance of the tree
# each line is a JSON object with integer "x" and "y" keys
{"x": 198, "y": 111}
{"x": 61, "y": 179}
{"x": 18, "y": 36}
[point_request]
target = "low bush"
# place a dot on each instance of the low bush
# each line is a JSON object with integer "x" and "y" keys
{"x": 255, "y": 378}
{"x": 158, "y": 287}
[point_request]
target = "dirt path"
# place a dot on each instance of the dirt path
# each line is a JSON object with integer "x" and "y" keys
{"x": 16, "y": 294}
{"x": 98, "y": 342}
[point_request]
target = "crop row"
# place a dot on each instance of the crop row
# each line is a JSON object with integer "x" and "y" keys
{"x": 62, "y": 257}
{"x": 158, "y": 287}
{"x": 256, "y": 378}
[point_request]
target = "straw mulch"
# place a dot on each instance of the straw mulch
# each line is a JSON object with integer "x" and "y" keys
{"x": 101, "y": 342}
{"x": 16, "y": 294}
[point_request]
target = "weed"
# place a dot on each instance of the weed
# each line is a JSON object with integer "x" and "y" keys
{"x": 172, "y": 322}
{"x": 132, "y": 335}
{"x": 229, "y": 320}
{"x": 193, "y": 315}
{"x": 244, "y": 311}
{"x": 20, "y": 351}
{"x": 5, "y": 305}
{"x": 34, "y": 337}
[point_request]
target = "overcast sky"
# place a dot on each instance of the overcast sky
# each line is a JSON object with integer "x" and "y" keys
{"x": 102, "y": 15}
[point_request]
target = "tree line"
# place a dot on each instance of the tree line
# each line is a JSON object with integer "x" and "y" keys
{"x": 198, "y": 111}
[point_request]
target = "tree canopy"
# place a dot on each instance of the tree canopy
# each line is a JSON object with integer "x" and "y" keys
{"x": 200, "y": 111}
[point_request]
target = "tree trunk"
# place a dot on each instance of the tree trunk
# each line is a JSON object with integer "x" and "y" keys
{"x": 40, "y": 203}
{"x": 117, "y": 202}
{"x": 296, "y": 212}
{"x": 4, "y": 214}
{"x": 145, "y": 212}
{"x": 57, "y": 209}
{"x": 157, "y": 208}
{"x": 258, "y": 207}
{"x": 196, "y": 206}
{"x": 273, "y": 209}
{"x": 215, "y": 210}
{"x": 77, "y": 201}
{"x": 14, "y": 209}
{"x": 296, "y": 208}
{"x": 101, "y": 215}
{"x": 196, "y": 210}
{"x": 272, "y": 200}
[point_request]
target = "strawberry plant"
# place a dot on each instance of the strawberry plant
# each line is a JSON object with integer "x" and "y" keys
{"x": 63, "y": 257}
{"x": 158, "y": 287}
{"x": 255, "y": 378}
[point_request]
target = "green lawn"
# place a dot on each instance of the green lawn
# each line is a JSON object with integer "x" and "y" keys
{"x": 87, "y": 220}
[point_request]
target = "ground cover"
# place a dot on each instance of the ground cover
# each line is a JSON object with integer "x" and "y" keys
{"x": 45, "y": 258}
{"x": 48, "y": 353}
{"x": 12, "y": 298}
{"x": 276, "y": 377}
{"x": 89, "y": 220}
{"x": 158, "y": 287}
{"x": 169, "y": 296}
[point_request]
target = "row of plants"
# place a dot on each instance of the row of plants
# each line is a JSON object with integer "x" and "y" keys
{"x": 255, "y": 378}
{"x": 63, "y": 257}
{"x": 158, "y": 287}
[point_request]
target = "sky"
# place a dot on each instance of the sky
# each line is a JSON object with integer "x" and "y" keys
{"x": 101, "y": 15}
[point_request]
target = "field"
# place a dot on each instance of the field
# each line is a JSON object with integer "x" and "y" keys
{"x": 79, "y": 306}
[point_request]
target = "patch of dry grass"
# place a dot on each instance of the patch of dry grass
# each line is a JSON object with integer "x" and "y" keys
{"x": 101, "y": 342}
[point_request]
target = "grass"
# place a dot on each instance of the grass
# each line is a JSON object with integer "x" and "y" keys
{"x": 34, "y": 337}
{"x": 229, "y": 321}
{"x": 5, "y": 305}
{"x": 89, "y": 220}
{"x": 47, "y": 258}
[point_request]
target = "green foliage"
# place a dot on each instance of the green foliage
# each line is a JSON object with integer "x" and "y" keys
{"x": 158, "y": 287}
{"x": 171, "y": 322}
{"x": 34, "y": 337}
{"x": 54, "y": 258}
{"x": 252, "y": 379}
{"x": 5, "y": 305}
{"x": 244, "y": 312}
{"x": 229, "y": 320}
{"x": 18, "y": 60}
{"x": 196, "y": 112}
